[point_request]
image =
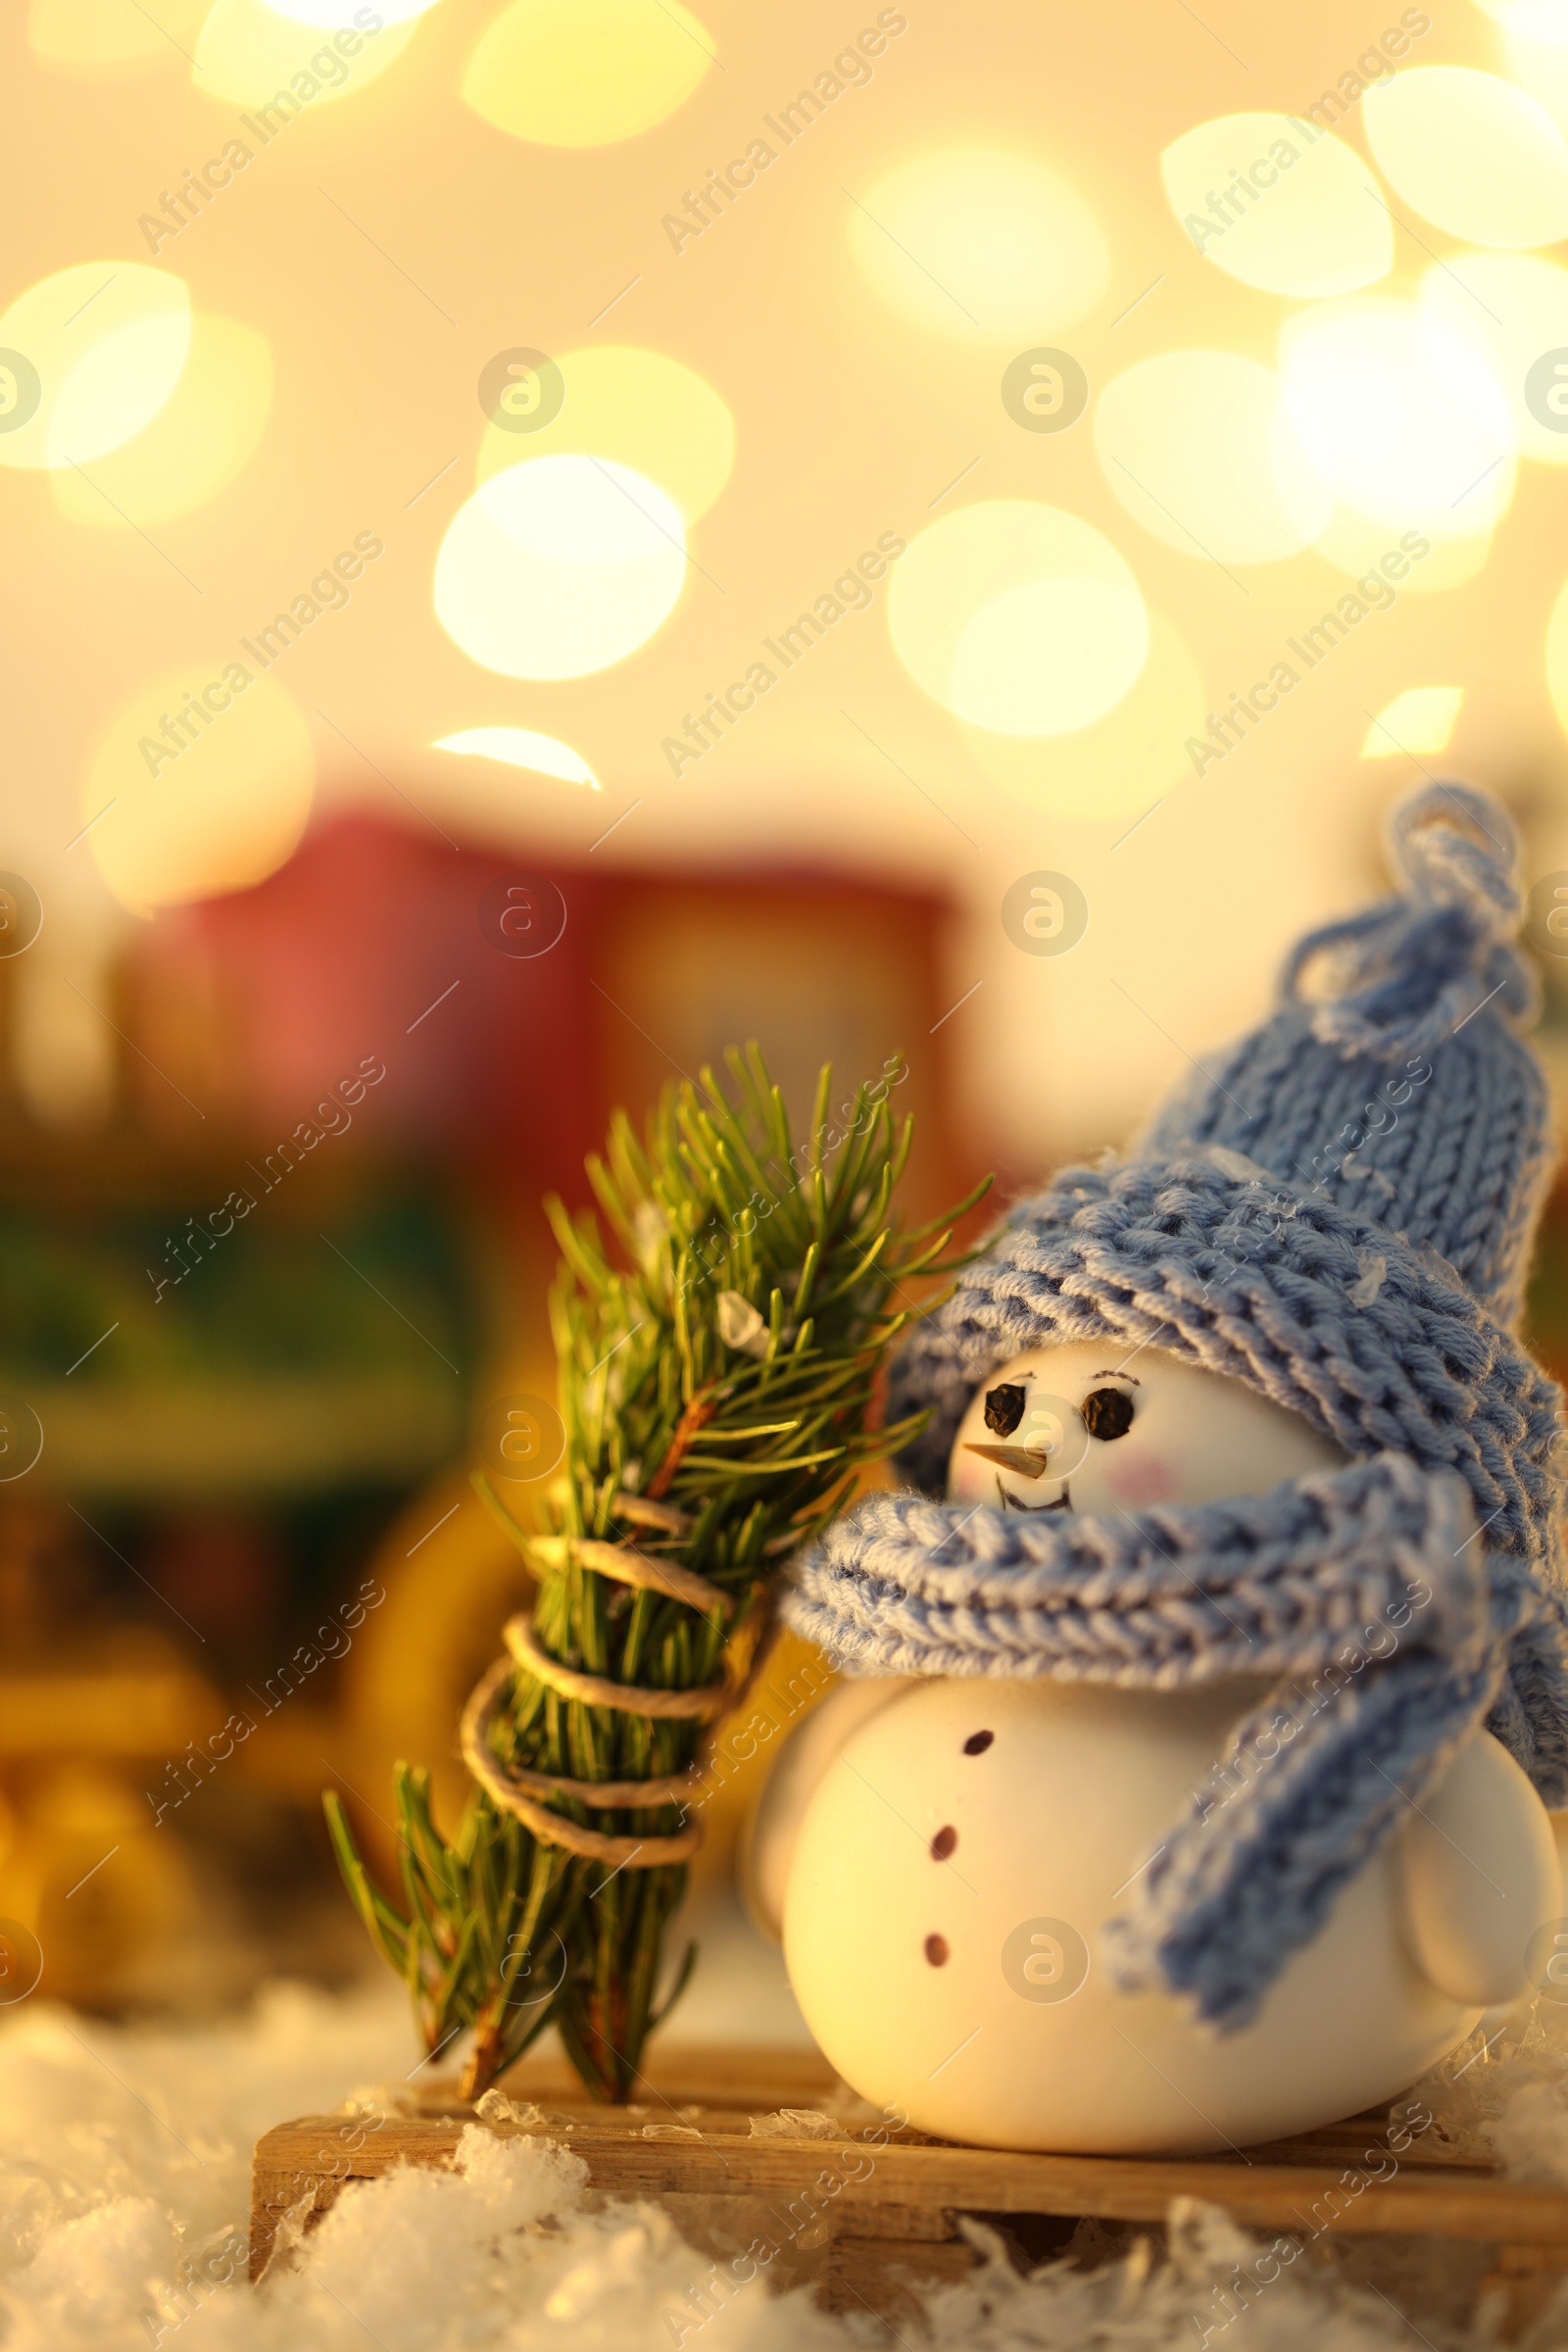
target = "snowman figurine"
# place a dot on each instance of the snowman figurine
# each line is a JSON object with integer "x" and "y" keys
{"x": 1206, "y": 1689}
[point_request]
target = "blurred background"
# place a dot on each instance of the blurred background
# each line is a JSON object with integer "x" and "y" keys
{"x": 884, "y": 530}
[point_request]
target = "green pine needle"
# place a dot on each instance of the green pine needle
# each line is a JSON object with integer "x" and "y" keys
{"x": 722, "y": 1360}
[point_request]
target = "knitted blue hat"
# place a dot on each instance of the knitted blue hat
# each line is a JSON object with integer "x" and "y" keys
{"x": 1337, "y": 1210}
{"x": 1339, "y": 1213}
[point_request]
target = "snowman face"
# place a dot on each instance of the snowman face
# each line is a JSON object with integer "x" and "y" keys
{"x": 1092, "y": 1428}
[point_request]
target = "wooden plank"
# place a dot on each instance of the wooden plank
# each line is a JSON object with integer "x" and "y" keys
{"x": 687, "y": 2144}
{"x": 853, "y": 2178}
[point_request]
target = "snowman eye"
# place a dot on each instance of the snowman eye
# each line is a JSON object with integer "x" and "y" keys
{"x": 1107, "y": 1413}
{"x": 1004, "y": 1408}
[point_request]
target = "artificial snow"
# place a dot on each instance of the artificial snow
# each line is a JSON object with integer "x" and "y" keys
{"x": 125, "y": 2161}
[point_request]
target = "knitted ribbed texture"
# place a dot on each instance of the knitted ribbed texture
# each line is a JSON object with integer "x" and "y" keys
{"x": 1458, "y": 1158}
{"x": 1391, "y": 1142}
{"x": 1149, "y": 1252}
{"x": 1337, "y": 1212}
{"x": 1386, "y": 1626}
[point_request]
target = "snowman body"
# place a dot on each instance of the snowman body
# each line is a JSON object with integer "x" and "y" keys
{"x": 943, "y": 1867}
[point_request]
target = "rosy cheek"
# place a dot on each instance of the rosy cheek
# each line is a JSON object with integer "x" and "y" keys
{"x": 971, "y": 1480}
{"x": 1144, "y": 1478}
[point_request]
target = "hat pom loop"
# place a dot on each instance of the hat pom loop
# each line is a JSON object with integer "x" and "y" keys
{"x": 1406, "y": 974}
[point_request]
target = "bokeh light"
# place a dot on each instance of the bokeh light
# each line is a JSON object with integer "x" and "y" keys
{"x": 973, "y": 242}
{"x": 1018, "y": 617}
{"x": 641, "y": 408}
{"x": 1514, "y": 308}
{"x": 106, "y": 36}
{"x": 559, "y": 566}
{"x": 202, "y": 784}
{"x": 1534, "y": 20}
{"x": 1279, "y": 204}
{"x": 1200, "y": 449}
{"x": 1557, "y": 657}
{"x": 249, "y": 53}
{"x": 1421, "y": 719}
{"x": 1357, "y": 544}
{"x": 106, "y": 341}
{"x": 1472, "y": 153}
{"x": 1401, "y": 416}
{"x": 196, "y": 444}
{"x": 329, "y": 15}
{"x": 520, "y": 747}
{"x": 586, "y": 72}
{"x": 1119, "y": 765}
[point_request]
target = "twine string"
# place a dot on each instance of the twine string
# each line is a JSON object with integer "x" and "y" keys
{"x": 522, "y": 1791}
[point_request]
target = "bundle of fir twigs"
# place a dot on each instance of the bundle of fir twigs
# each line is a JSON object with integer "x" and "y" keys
{"x": 715, "y": 1387}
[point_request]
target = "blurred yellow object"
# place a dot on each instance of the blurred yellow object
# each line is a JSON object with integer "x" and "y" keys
{"x": 1118, "y": 764}
{"x": 560, "y": 565}
{"x": 1018, "y": 617}
{"x": 586, "y": 72}
{"x": 1400, "y": 414}
{"x": 87, "y": 357}
{"x": 202, "y": 784}
{"x": 1421, "y": 719}
{"x": 258, "y": 58}
{"x": 106, "y": 36}
{"x": 640, "y": 409}
{"x": 194, "y": 446}
{"x": 1200, "y": 449}
{"x": 85, "y": 1869}
{"x": 1473, "y": 154}
{"x": 745, "y": 1747}
{"x": 131, "y": 1713}
{"x": 1309, "y": 219}
{"x": 976, "y": 243}
{"x": 452, "y": 1577}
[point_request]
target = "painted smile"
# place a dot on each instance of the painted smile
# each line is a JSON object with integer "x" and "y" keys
{"x": 1015, "y": 1502}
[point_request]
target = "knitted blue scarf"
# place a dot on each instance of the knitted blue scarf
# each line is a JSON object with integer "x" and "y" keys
{"x": 1364, "y": 1594}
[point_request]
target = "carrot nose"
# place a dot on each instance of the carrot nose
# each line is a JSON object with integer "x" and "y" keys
{"x": 1021, "y": 1459}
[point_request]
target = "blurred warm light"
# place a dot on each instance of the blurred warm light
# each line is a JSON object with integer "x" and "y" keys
{"x": 329, "y": 15}
{"x": 519, "y": 747}
{"x": 1557, "y": 657}
{"x": 255, "y": 55}
{"x": 1355, "y": 544}
{"x": 202, "y": 784}
{"x": 198, "y": 441}
{"x": 1117, "y": 766}
{"x": 1472, "y": 153}
{"x": 88, "y": 36}
{"x": 1534, "y": 20}
{"x": 1018, "y": 617}
{"x": 1539, "y": 67}
{"x": 1200, "y": 449}
{"x": 972, "y": 242}
{"x": 641, "y": 408}
{"x": 1280, "y": 205}
{"x": 559, "y": 566}
{"x": 586, "y": 72}
{"x": 1514, "y": 306}
{"x": 1404, "y": 417}
{"x": 64, "y": 1050}
{"x": 1421, "y": 719}
{"x": 106, "y": 341}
